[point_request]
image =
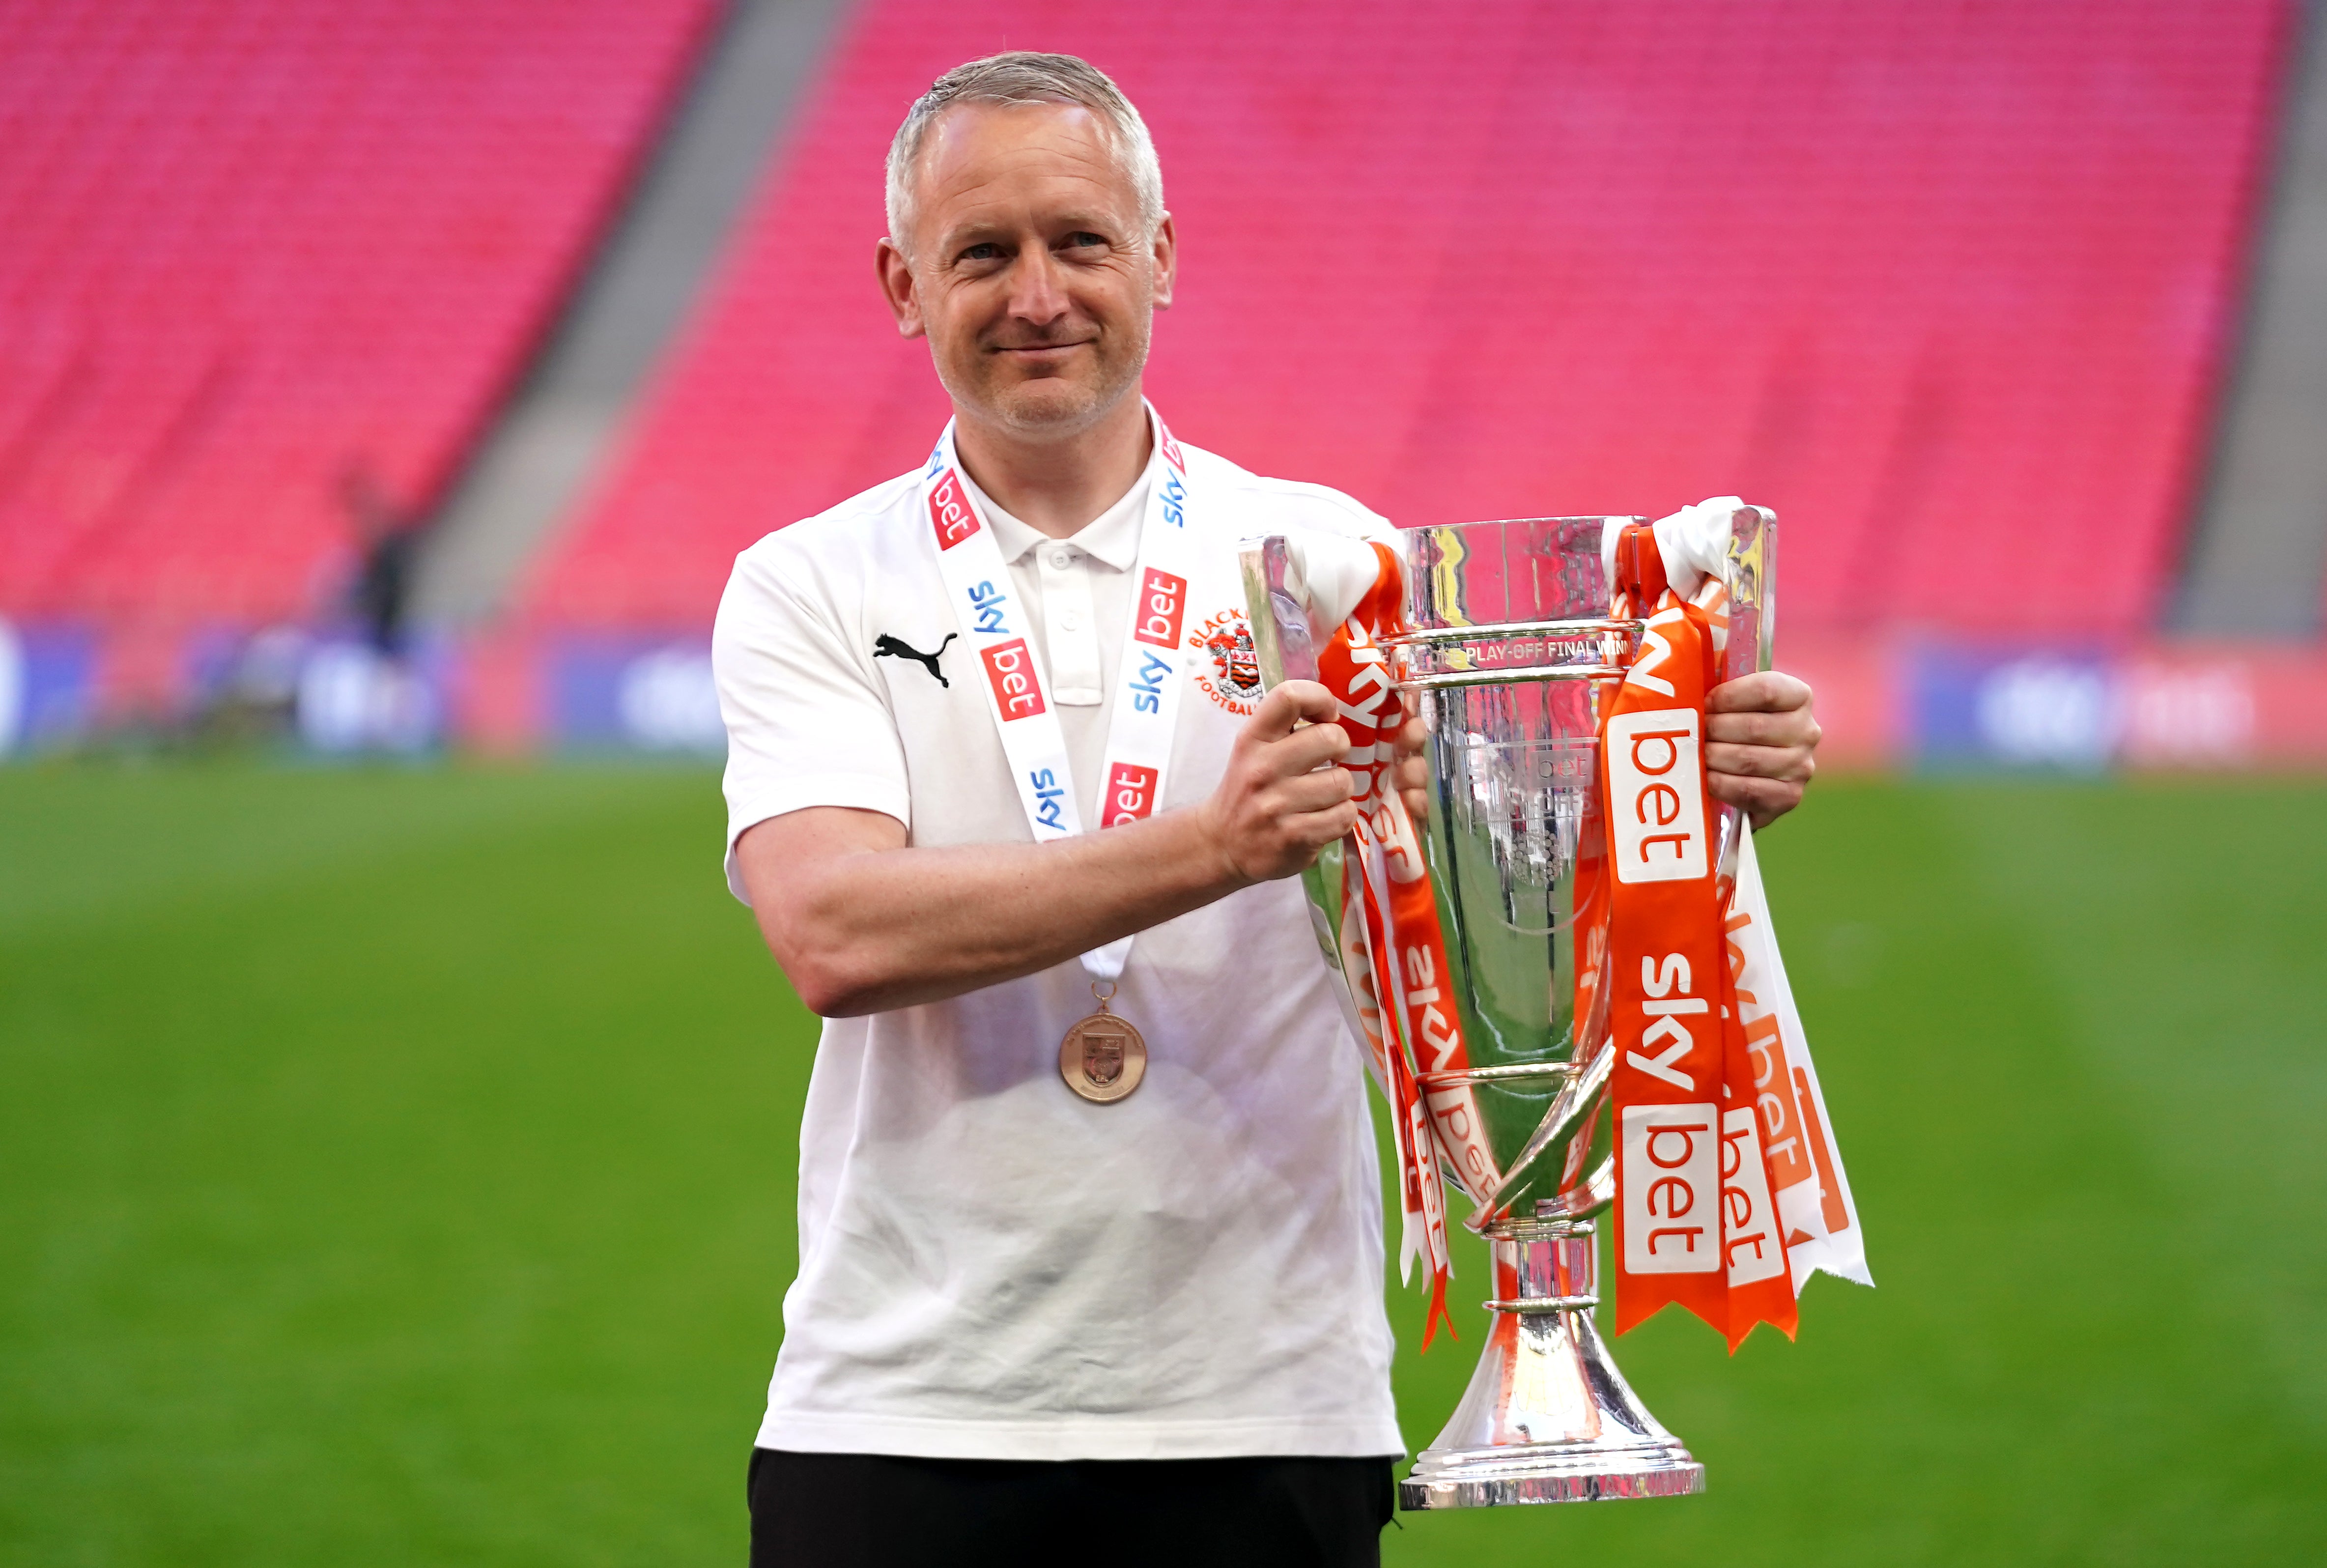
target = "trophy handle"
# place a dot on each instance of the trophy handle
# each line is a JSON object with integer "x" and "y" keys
{"x": 1571, "y": 1110}
{"x": 1749, "y": 591}
{"x": 1748, "y": 576}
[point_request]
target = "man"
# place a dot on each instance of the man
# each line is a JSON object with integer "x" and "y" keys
{"x": 1120, "y": 1299}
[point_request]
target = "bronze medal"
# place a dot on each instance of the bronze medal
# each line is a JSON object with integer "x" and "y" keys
{"x": 1102, "y": 1058}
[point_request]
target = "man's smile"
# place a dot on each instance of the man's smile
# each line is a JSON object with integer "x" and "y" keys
{"x": 1039, "y": 350}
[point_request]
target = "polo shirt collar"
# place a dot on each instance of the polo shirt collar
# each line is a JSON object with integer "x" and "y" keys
{"x": 1112, "y": 538}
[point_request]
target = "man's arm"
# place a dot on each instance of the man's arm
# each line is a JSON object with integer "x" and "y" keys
{"x": 862, "y": 923}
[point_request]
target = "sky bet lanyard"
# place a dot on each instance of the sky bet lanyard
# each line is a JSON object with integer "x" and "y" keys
{"x": 978, "y": 586}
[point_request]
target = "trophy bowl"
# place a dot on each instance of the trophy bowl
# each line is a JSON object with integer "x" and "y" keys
{"x": 1507, "y": 652}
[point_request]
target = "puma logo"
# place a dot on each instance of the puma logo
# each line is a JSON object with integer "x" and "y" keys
{"x": 887, "y": 646}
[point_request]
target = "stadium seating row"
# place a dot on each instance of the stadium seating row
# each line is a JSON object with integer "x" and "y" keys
{"x": 1947, "y": 284}
{"x": 269, "y": 265}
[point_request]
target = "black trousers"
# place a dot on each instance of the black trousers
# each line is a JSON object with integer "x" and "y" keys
{"x": 862, "y": 1510}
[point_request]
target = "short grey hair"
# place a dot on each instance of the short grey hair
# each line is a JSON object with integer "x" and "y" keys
{"x": 1023, "y": 77}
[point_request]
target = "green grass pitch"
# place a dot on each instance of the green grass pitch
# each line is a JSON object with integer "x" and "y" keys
{"x": 395, "y": 1168}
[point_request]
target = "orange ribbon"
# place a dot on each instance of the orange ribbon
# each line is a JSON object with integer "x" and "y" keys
{"x": 1390, "y": 942}
{"x": 1694, "y": 1218}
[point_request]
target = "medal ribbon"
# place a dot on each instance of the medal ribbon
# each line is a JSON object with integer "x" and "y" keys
{"x": 1137, "y": 760}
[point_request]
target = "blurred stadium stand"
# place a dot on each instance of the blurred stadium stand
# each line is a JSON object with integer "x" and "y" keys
{"x": 1946, "y": 286}
{"x": 270, "y": 264}
{"x": 641, "y": 285}
{"x": 1960, "y": 289}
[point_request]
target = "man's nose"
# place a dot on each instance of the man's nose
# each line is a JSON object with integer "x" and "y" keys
{"x": 1038, "y": 291}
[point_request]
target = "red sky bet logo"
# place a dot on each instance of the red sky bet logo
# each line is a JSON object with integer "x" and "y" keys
{"x": 1161, "y": 598}
{"x": 1010, "y": 671}
{"x": 950, "y": 513}
{"x": 1130, "y": 794}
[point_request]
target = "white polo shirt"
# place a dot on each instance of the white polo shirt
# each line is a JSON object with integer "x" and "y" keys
{"x": 989, "y": 1266}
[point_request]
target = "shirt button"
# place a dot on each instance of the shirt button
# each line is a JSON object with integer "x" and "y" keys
{"x": 1062, "y": 559}
{"x": 1069, "y": 622}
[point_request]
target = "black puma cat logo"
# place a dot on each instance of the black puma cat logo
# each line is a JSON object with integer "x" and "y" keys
{"x": 887, "y": 646}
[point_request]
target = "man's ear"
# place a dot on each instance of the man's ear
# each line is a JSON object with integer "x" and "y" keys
{"x": 1167, "y": 262}
{"x": 896, "y": 274}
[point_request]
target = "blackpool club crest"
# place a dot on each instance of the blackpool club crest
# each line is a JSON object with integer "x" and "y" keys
{"x": 1233, "y": 681}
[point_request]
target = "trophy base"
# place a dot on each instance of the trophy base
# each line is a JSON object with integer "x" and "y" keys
{"x": 1547, "y": 1418}
{"x": 1550, "y": 1473}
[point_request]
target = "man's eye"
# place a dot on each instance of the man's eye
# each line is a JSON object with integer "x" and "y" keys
{"x": 982, "y": 253}
{"x": 1085, "y": 240}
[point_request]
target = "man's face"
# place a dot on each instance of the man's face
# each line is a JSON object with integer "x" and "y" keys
{"x": 1031, "y": 273}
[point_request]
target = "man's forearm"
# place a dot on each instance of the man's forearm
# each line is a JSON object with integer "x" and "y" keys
{"x": 888, "y": 928}
{"x": 861, "y": 923}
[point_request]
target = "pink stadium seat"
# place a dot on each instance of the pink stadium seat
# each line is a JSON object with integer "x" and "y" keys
{"x": 1947, "y": 284}
{"x": 252, "y": 243}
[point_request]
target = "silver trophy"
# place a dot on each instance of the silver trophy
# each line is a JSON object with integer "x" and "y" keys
{"x": 1508, "y": 653}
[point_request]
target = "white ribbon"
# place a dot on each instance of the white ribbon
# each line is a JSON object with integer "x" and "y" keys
{"x": 1694, "y": 542}
{"x": 1138, "y": 757}
{"x": 1819, "y": 1214}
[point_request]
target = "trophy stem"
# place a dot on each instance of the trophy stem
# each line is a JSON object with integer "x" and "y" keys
{"x": 1547, "y": 1418}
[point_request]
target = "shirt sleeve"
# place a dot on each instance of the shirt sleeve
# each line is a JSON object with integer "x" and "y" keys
{"x": 1368, "y": 524}
{"x": 808, "y": 723}
{"x": 1317, "y": 506}
{"x": 1335, "y": 567}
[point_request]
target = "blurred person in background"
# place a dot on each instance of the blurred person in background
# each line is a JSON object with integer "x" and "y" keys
{"x": 388, "y": 543}
{"x": 1047, "y": 1305}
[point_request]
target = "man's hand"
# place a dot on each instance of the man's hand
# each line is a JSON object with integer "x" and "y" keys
{"x": 1761, "y": 747}
{"x": 1409, "y": 772}
{"x": 1278, "y": 801}
{"x": 1761, "y": 743}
